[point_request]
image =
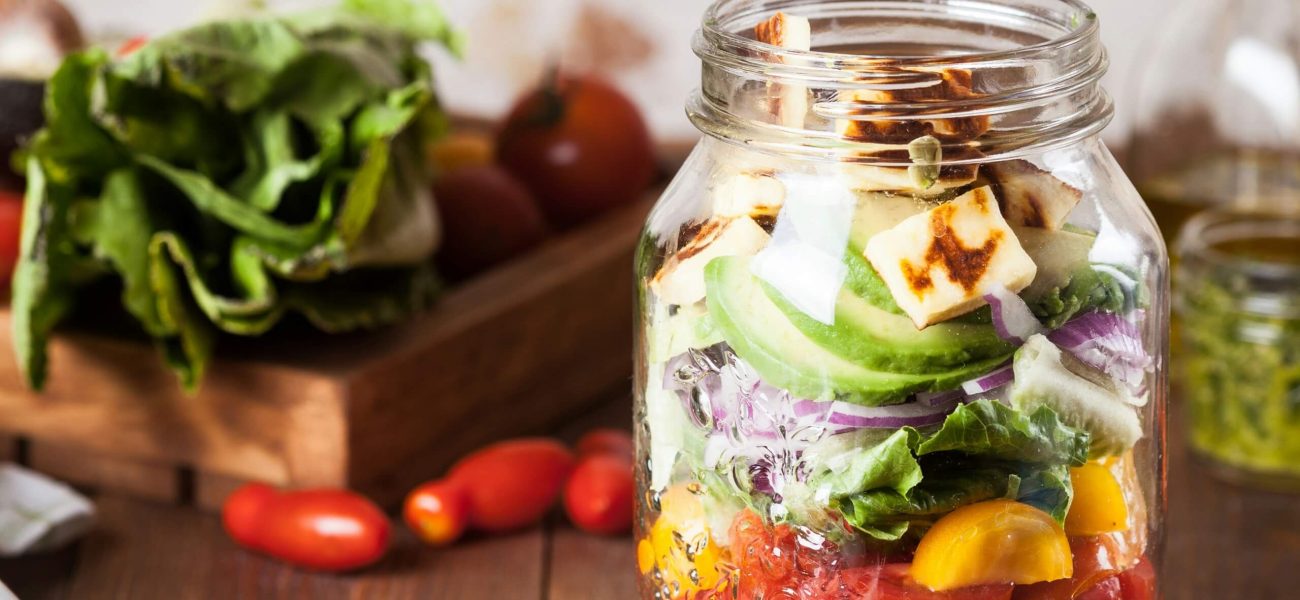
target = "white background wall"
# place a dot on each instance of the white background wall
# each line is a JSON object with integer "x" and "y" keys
{"x": 511, "y": 42}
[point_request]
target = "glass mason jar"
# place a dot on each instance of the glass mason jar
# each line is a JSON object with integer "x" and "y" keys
{"x": 902, "y": 319}
{"x": 1238, "y": 296}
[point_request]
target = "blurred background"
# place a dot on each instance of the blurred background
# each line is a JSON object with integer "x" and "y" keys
{"x": 1207, "y": 96}
{"x": 644, "y": 47}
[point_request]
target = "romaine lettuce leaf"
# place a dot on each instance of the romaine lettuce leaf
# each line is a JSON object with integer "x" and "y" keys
{"x": 231, "y": 173}
{"x": 983, "y": 450}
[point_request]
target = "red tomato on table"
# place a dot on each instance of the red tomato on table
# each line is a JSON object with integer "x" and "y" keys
{"x": 320, "y": 529}
{"x": 512, "y": 484}
{"x": 437, "y": 511}
{"x": 580, "y": 145}
{"x": 606, "y": 441}
{"x": 600, "y": 495}
{"x": 11, "y": 225}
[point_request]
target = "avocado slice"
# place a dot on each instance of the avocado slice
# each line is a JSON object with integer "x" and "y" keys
{"x": 879, "y": 339}
{"x": 760, "y": 333}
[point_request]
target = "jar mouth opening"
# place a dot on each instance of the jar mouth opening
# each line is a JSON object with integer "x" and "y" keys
{"x": 990, "y": 79}
{"x": 1251, "y": 254}
{"x": 1216, "y": 237}
{"x": 1056, "y": 24}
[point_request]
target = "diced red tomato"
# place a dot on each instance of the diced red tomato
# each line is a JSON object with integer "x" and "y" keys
{"x": 1107, "y": 589}
{"x": 773, "y": 563}
{"x": 1139, "y": 582}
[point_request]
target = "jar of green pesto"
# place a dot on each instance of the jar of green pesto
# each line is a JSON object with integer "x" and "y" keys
{"x": 1238, "y": 297}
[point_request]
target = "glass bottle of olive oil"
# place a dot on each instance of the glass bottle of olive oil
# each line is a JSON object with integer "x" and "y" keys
{"x": 1218, "y": 111}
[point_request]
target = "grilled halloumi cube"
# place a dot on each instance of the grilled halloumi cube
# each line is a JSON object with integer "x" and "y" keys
{"x": 912, "y": 86}
{"x": 788, "y": 102}
{"x": 681, "y": 280}
{"x": 748, "y": 194}
{"x": 1030, "y": 196}
{"x": 875, "y": 178}
{"x": 938, "y": 264}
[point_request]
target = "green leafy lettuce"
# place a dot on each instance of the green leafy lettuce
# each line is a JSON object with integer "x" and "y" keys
{"x": 1094, "y": 287}
{"x": 983, "y": 450}
{"x": 228, "y": 174}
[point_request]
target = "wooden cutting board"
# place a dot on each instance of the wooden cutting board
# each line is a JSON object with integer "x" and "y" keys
{"x": 512, "y": 352}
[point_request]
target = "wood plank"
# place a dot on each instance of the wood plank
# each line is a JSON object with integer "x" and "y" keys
{"x": 9, "y": 448}
{"x": 114, "y": 396}
{"x": 146, "y": 551}
{"x": 41, "y": 577}
{"x": 1226, "y": 541}
{"x": 105, "y": 473}
{"x": 588, "y": 567}
{"x": 211, "y": 489}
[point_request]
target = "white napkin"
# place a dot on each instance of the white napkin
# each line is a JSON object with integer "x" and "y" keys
{"x": 38, "y": 513}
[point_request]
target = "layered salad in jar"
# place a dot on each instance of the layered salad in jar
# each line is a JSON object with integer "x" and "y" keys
{"x": 922, "y": 381}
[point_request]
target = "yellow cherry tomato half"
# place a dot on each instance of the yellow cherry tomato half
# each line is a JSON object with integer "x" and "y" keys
{"x": 1098, "y": 505}
{"x": 992, "y": 542}
{"x": 680, "y": 545}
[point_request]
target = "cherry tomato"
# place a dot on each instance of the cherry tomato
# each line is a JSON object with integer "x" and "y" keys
{"x": 606, "y": 441}
{"x": 487, "y": 218}
{"x": 130, "y": 46}
{"x": 11, "y": 225}
{"x": 600, "y": 494}
{"x": 322, "y": 529}
{"x": 437, "y": 511}
{"x": 512, "y": 484}
{"x": 242, "y": 512}
{"x": 580, "y": 145}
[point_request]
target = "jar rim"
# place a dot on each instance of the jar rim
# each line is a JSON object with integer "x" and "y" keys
{"x": 1037, "y": 87}
{"x": 1201, "y": 236}
{"x": 1264, "y": 287}
{"x": 1086, "y": 27}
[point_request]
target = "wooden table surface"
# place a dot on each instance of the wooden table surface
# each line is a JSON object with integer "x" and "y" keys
{"x": 1223, "y": 543}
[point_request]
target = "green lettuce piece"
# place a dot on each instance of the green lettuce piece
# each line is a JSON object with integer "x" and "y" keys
{"x": 423, "y": 20}
{"x": 995, "y": 430}
{"x": 890, "y": 465}
{"x": 887, "y": 514}
{"x": 42, "y": 293}
{"x": 232, "y": 173}
{"x": 983, "y": 450}
{"x": 1096, "y": 287}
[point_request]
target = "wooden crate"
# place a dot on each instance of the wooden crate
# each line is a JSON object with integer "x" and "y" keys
{"x": 515, "y": 351}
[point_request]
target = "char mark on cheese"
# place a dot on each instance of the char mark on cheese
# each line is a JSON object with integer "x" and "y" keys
{"x": 965, "y": 266}
{"x": 947, "y": 85}
{"x": 771, "y": 31}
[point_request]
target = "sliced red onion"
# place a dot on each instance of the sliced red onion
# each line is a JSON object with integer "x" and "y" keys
{"x": 1012, "y": 319}
{"x": 940, "y": 398}
{"x": 989, "y": 381}
{"x": 1107, "y": 342}
{"x": 913, "y": 414}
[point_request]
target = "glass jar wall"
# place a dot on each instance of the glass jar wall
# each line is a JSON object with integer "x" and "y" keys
{"x": 902, "y": 320}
